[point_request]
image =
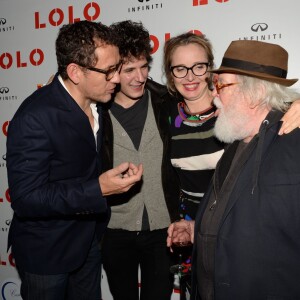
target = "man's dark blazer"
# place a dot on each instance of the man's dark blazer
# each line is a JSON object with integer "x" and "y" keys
{"x": 53, "y": 168}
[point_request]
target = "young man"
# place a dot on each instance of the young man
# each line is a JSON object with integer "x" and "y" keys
{"x": 57, "y": 195}
{"x": 135, "y": 131}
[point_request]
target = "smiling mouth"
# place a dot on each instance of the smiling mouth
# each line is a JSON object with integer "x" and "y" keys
{"x": 137, "y": 86}
{"x": 191, "y": 86}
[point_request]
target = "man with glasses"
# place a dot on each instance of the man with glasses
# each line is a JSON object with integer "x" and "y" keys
{"x": 246, "y": 232}
{"x": 53, "y": 161}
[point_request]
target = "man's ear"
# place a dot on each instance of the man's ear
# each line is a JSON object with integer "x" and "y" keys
{"x": 262, "y": 91}
{"x": 260, "y": 94}
{"x": 74, "y": 73}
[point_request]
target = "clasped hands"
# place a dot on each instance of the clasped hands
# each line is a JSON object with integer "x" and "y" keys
{"x": 180, "y": 233}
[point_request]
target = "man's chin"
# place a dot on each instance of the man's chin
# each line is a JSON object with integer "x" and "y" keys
{"x": 228, "y": 135}
{"x": 223, "y": 138}
{"x": 223, "y": 133}
{"x": 136, "y": 96}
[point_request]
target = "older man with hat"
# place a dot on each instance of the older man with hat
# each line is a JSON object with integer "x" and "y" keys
{"x": 247, "y": 230}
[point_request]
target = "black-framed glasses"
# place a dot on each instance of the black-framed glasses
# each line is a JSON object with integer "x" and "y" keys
{"x": 219, "y": 86}
{"x": 198, "y": 69}
{"x": 109, "y": 73}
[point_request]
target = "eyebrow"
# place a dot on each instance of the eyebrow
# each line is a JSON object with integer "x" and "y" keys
{"x": 195, "y": 63}
{"x": 132, "y": 68}
{"x": 111, "y": 66}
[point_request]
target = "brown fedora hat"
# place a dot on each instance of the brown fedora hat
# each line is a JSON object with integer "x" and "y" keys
{"x": 257, "y": 59}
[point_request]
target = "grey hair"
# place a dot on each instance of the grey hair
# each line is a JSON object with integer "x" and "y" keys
{"x": 275, "y": 96}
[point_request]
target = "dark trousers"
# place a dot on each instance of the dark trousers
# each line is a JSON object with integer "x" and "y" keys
{"x": 80, "y": 284}
{"x": 124, "y": 251}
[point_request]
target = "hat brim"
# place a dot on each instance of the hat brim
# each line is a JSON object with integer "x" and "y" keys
{"x": 263, "y": 76}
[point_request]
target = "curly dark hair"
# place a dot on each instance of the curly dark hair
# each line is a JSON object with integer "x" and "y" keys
{"x": 133, "y": 40}
{"x": 77, "y": 42}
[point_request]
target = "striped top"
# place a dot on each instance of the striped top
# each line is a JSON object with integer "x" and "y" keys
{"x": 194, "y": 154}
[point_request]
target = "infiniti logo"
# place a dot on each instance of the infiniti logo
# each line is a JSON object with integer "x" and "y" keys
{"x": 261, "y": 32}
{"x": 259, "y": 27}
{"x": 10, "y": 290}
{"x": 4, "y": 90}
{"x": 2, "y": 21}
{"x": 3, "y": 164}
{"x": 145, "y": 5}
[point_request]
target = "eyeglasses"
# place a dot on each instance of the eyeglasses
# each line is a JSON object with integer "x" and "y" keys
{"x": 198, "y": 69}
{"x": 219, "y": 86}
{"x": 109, "y": 73}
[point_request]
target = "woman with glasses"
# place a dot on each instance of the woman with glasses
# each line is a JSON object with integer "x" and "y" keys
{"x": 194, "y": 151}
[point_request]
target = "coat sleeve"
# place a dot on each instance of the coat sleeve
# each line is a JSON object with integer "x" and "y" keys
{"x": 30, "y": 158}
{"x": 170, "y": 179}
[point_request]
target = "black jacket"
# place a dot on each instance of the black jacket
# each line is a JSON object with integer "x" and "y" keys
{"x": 53, "y": 170}
{"x": 257, "y": 255}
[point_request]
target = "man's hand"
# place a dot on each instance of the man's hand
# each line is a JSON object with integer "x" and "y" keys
{"x": 120, "y": 179}
{"x": 291, "y": 119}
{"x": 180, "y": 233}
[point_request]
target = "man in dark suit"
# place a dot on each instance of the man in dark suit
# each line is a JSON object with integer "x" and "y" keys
{"x": 246, "y": 233}
{"x": 54, "y": 167}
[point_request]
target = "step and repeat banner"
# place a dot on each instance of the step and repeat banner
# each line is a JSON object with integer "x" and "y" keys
{"x": 28, "y": 29}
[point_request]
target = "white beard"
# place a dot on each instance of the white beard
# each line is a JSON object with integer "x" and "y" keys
{"x": 231, "y": 124}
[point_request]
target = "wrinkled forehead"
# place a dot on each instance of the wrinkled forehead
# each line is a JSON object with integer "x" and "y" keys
{"x": 107, "y": 55}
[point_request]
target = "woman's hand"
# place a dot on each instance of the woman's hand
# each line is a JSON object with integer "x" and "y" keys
{"x": 291, "y": 119}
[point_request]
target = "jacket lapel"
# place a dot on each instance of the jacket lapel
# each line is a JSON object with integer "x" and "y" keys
{"x": 75, "y": 118}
